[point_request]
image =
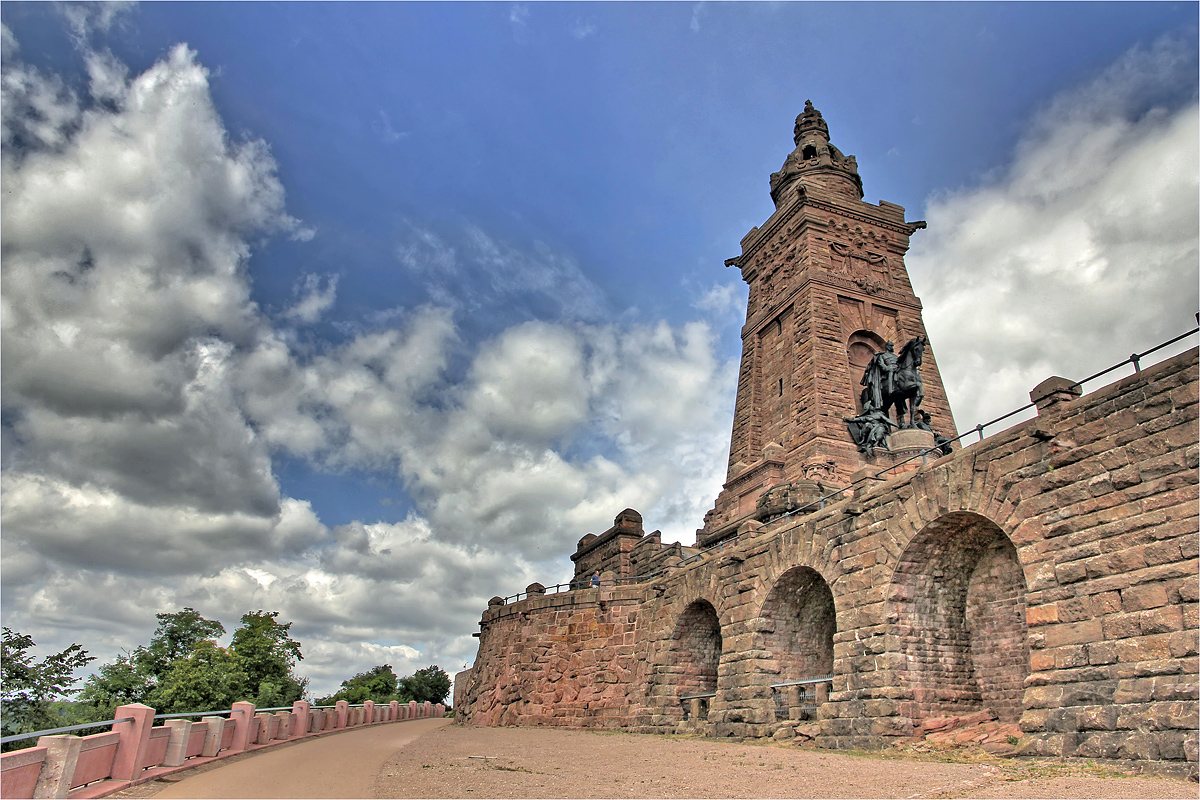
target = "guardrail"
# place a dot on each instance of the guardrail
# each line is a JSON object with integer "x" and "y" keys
{"x": 136, "y": 750}
{"x": 719, "y": 547}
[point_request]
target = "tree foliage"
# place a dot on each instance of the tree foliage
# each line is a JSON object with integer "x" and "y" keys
{"x": 177, "y": 634}
{"x": 431, "y": 684}
{"x": 207, "y": 678}
{"x": 377, "y": 684}
{"x": 30, "y": 687}
{"x": 269, "y": 656}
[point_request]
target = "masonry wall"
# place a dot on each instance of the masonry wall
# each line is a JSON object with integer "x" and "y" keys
{"x": 1048, "y": 573}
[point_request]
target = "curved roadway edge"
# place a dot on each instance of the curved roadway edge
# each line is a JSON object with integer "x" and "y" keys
{"x": 343, "y": 765}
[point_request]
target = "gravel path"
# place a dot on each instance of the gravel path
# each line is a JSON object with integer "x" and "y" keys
{"x": 439, "y": 760}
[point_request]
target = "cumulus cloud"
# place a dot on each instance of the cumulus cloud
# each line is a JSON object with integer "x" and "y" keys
{"x": 146, "y": 396}
{"x": 314, "y": 298}
{"x": 1083, "y": 250}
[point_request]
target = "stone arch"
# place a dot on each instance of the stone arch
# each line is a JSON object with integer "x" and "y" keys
{"x": 797, "y": 622}
{"x": 958, "y": 594}
{"x": 861, "y": 345}
{"x": 691, "y": 658}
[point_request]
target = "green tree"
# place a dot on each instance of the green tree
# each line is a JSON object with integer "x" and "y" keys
{"x": 377, "y": 684}
{"x": 208, "y": 678}
{"x": 29, "y": 687}
{"x": 431, "y": 684}
{"x": 116, "y": 684}
{"x": 175, "y": 637}
{"x": 268, "y": 655}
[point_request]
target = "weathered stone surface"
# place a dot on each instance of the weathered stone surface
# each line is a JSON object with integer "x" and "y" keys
{"x": 1047, "y": 575}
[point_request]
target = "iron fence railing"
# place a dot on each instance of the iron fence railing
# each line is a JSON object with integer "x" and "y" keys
{"x": 17, "y": 737}
{"x": 719, "y": 547}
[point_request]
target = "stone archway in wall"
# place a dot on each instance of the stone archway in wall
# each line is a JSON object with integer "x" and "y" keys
{"x": 860, "y": 347}
{"x": 796, "y": 625}
{"x": 693, "y": 656}
{"x": 959, "y": 591}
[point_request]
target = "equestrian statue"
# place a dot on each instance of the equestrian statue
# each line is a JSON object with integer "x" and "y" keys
{"x": 889, "y": 381}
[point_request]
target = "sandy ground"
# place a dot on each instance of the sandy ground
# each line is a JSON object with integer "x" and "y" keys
{"x": 532, "y": 762}
{"x": 438, "y": 760}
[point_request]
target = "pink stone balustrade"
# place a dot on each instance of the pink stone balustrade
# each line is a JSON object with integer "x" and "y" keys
{"x": 137, "y": 750}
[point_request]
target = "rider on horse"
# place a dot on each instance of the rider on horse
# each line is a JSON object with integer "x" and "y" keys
{"x": 879, "y": 377}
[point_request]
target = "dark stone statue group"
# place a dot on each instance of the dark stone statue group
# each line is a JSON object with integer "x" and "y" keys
{"x": 892, "y": 380}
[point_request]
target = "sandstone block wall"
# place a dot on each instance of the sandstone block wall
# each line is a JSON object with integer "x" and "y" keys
{"x": 1048, "y": 573}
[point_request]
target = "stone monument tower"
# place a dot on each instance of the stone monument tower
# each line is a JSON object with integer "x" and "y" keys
{"x": 828, "y": 290}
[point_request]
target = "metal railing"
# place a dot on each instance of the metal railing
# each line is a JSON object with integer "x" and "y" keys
{"x": 17, "y": 737}
{"x": 105, "y": 723}
{"x": 719, "y": 547}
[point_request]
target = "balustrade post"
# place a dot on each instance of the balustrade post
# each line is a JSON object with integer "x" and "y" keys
{"x": 214, "y": 736}
{"x": 181, "y": 732}
{"x": 412, "y": 709}
{"x": 244, "y": 725}
{"x": 368, "y": 712}
{"x": 134, "y": 738}
{"x": 62, "y": 753}
{"x": 343, "y": 713}
{"x": 395, "y": 706}
{"x": 300, "y": 725}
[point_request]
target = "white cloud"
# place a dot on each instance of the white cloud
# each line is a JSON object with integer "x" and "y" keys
{"x": 384, "y": 130}
{"x": 583, "y": 28}
{"x": 698, "y": 12}
{"x": 315, "y": 299}
{"x": 1082, "y": 251}
{"x": 148, "y": 396}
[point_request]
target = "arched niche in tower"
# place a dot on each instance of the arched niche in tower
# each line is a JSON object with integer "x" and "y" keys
{"x": 695, "y": 653}
{"x": 861, "y": 345}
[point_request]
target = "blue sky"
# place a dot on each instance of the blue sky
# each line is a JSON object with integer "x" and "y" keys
{"x": 391, "y": 297}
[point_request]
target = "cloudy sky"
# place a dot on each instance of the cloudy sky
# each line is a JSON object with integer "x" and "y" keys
{"x": 366, "y": 313}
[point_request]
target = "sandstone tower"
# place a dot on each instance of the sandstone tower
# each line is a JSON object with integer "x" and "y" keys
{"x": 828, "y": 289}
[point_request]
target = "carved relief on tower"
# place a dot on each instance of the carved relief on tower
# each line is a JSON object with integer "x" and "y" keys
{"x": 861, "y": 256}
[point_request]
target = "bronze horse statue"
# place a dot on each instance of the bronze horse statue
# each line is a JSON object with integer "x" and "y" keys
{"x": 900, "y": 387}
{"x": 908, "y": 391}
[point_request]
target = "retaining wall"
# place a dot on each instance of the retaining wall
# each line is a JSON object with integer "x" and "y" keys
{"x": 1047, "y": 574}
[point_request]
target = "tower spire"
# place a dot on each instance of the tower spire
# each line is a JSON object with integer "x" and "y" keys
{"x": 815, "y": 162}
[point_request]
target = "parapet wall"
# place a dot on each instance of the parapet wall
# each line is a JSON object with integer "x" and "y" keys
{"x": 1048, "y": 575}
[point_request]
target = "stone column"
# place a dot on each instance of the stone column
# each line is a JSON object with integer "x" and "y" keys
{"x": 244, "y": 722}
{"x": 369, "y": 712}
{"x": 134, "y": 738}
{"x": 395, "y": 706}
{"x": 212, "y": 739}
{"x": 283, "y": 725}
{"x": 342, "y": 709}
{"x": 181, "y": 732}
{"x": 62, "y": 753}
{"x": 300, "y": 726}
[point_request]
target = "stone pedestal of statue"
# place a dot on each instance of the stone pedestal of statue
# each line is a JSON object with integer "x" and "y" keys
{"x": 904, "y": 444}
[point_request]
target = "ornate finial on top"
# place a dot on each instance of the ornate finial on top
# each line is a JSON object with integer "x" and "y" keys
{"x": 817, "y": 160}
{"x": 810, "y": 121}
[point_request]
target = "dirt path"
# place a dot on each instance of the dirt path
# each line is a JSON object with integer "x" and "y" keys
{"x": 430, "y": 759}
{"x": 540, "y": 763}
{"x": 339, "y": 765}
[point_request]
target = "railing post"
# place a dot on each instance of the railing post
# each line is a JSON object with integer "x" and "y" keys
{"x": 412, "y": 709}
{"x": 62, "y": 753}
{"x": 299, "y": 719}
{"x": 214, "y": 736}
{"x": 284, "y": 723}
{"x": 395, "y": 710}
{"x": 181, "y": 732}
{"x": 343, "y": 709}
{"x": 244, "y": 721}
{"x": 368, "y": 712}
{"x": 134, "y": 737}
{"x": 428, "y": 709}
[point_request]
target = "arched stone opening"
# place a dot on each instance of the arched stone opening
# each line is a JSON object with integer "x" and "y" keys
{"x": 860, "y": 347}
{"x": 960, "y": 608}
{"x": 693, "y": 657}
{"x": 797, "y": 624}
